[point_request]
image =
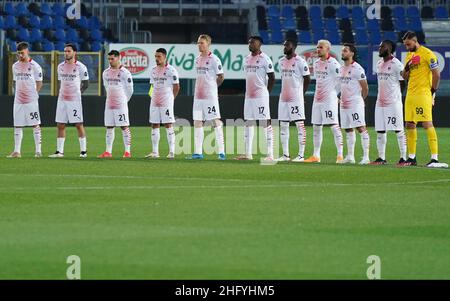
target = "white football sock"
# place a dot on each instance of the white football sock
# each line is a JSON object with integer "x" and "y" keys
{"x": 351, "y": 141}
{"x": 170, "y": 132}
{"x": 155, "y": 140}
{"x": 401, "y": 140}
{"x": 284, "y": 137}
{"x": 60, "y": 144}
{"x": 301, "y": 138}
{"x": 317, "y": 139}
{"x": 198, "y": 137}
{"x": 83, "y": 143}
{"x": 219, "y": 139}
{"x": 110, "y": 135}
{"x": 365, "y": 143}
{"x": 126, "y": 134}
{"x": 18, "y": 135}
{"x": 37, "y": 132}
{"x": 249, "y": 133}
{"x": 381, "y": 145}
{"x": 338, "y": 139}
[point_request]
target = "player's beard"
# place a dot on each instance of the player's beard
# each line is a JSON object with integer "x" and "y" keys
{"x": 288, "y": 52}
{"x": 383, "y": 54}
{"x": 69, "y": 58}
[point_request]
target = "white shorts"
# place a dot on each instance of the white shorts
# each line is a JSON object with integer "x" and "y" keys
{"x": 206, "y": 109}
{"x": 291, "y": 111}
{"x": 69, "y": 111}
{"x": 389, "y": 118}
{"x": 162, "y": 115}
{"x": 353, "y": 117}
{"x": 325, "y": 113}
{"x": 257, "y": 108}
{"x": 26, "y": 114}
{"x": 117, "y": 117}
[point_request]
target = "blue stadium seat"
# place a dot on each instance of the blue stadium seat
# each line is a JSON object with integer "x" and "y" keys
{"x": 82, "y": 22}
{"x": 59, "y": 46}
{"x": 48, "y": 46}
{"x": 287, "y": 12}
{"x": 10, "y": 9}
{"x": 331, "y": 24}
{"x": 96, "y": 35}
{"x": 441, "y": 12}
{"x": 273, "y": 11}
{"x": 375, "y": 37}
{"x": 415, "y": 24}
{"x": 94, "y": 23}
{"x": 317, "y": 24}
{"x": 315, "y": 12}
{"x": 361, "y": 37}
{"x": 318, "y": 35}
{"x": 35, "y": 35}
{"x": 289, "y": 24}
{"x": 373, "y": 25}
{"x": 2, "y": 23}
{"x": 60, "y": 35}
{"x": 35, "y": 22}
{"x": 12, "y": 45}
{"x": 399, "y": 12}
{"x": 390, "y": 35}
{"x": 58, "y": 10}
{"x": 400, "y": 25}
{"x": 342, "y": 12}
{"x": 59, "y": 23}
{"x": 264, "y": 34}
{"x": 274, "y": 24}
{"x": 276, "y": 37}
{"x": 22, "y": 10}
{"x": 358, "y": 13}
{"x": 304, "y": 37}
{"x": 11, "y": 22}
{"x": 412, "y": 11}
{"x": 24, "y": 35}
{"x": 359, "y": 23}
{"x": 39, "y": 59}
{"x": 333, "y": 36}
{"x": 72, "y": 35}
{"x": 45, "y": 9}
{"x": 46, "y": 22}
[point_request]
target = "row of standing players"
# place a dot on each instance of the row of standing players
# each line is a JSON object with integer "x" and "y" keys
{"x": 345, "y": 86}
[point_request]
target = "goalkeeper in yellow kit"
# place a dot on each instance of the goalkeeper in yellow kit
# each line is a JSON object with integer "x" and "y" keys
{"x": 423, "y": 75}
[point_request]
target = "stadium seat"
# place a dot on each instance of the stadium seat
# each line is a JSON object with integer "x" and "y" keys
{"x": 24, "y": 35}
{"x": 84, "y": 34}
{"x": 22, "y": 10}
{"x": 94, "y": 23}
{"x": 11, "y": 34}
{"x": 358, "y": 23}
{"x": 315, "y": 12}
{"x": 289, "y": 24}
{"x": 399, "y": 12}
{"x": 49, "y": 34}
{"x": 34, "y": 9}
{"x": 333, "y": 37}
{"x": 37, "y": 46}
{"x": 304, "y": 37}
{"x": 35, "y": 22}
{"x": 342, "y": 12}
{"x": 60, "y": 35}
{"x": 318, "y": 35}
{"x": 427, "y": 12}
{"x": 361, "y": 37}
{"x": 373, "y": 25}
{"x": 35, "y": 35}
{"x": 331, "y": 24}
{"x": 287, "y": 12}
{"x": 264, "y": 34}
{"x": 415, "y": 24}
{"x": 2, "y": 23}
{"x": 276, "y": 37}
{"x": 58, "y": 10}
{"x": 39, "y": 59}
{"x": 317, "y": 24}
{"x": 412, "y": 11}
{"x": 358, "y": 13}
{"x": 441, "y": 12}
{"x": 329, "y": 12}
{"x": 10, "y": 9}
{"x": 12, "y": 45}
{"x": 85, "y": 46}
{"x": 301, "y": 12}
{"x": 400, "y": 24}
{"x": 274, "y": 24}
{"x": 23, "y": 21}
{"x": 48, "y": 46}
{"x": 72, "y": 35}
{"x": 46, "y": 22}
{"x": 96, "y": 35}
{"x": 46, "y": 10}
{"x": 390, "y": 35}
{"x": 273, "y": 11}
{"x": 11, "y": 22}
{"x": 375, "y": 37}
{"x": 59, "y": 23}
{"x": 59, "y": 46}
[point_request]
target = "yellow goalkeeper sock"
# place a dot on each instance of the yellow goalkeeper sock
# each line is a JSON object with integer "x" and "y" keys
{"x": 411, "y": 140}
{"x": 432, "y": 140}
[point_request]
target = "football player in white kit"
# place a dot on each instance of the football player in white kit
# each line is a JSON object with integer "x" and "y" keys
{"x": 166, "y": 85}
{"x": 389, "y": 107}
{"x": 118, "y": 84}
{"x": 260, "y": 78}
{"x": 354, "y": 91}
{"x": 74, "y": 79}
{"x": 325, "y": 103}
{"x": 295, "y": 80}
{"x": 27, "y": 75}
{"x": 206, "y": 100}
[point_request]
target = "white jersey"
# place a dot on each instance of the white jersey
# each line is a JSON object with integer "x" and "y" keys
{"x": 163, "y": 80}
{"x": 71, "y": 76}
{"x": 350, "y": 88}
{"x": 26, "y": 74}
{"x": 389, "y": 77}
{"x": 118, "y": 85}
{"x": 326, "y": 74}
{"x": 207, "y": 68}
{"x": 292, "y": 72}
{"x": 256, "y": 69}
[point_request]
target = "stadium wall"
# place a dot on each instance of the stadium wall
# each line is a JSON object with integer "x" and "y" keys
{"x": 231, "y": 107}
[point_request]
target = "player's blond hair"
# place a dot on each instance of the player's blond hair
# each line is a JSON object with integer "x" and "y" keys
{"x": 324, "y": 42}
{"x": 205, "y": 37}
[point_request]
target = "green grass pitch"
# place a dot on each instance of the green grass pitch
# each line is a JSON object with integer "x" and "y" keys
{"x": 160, "y": 219}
